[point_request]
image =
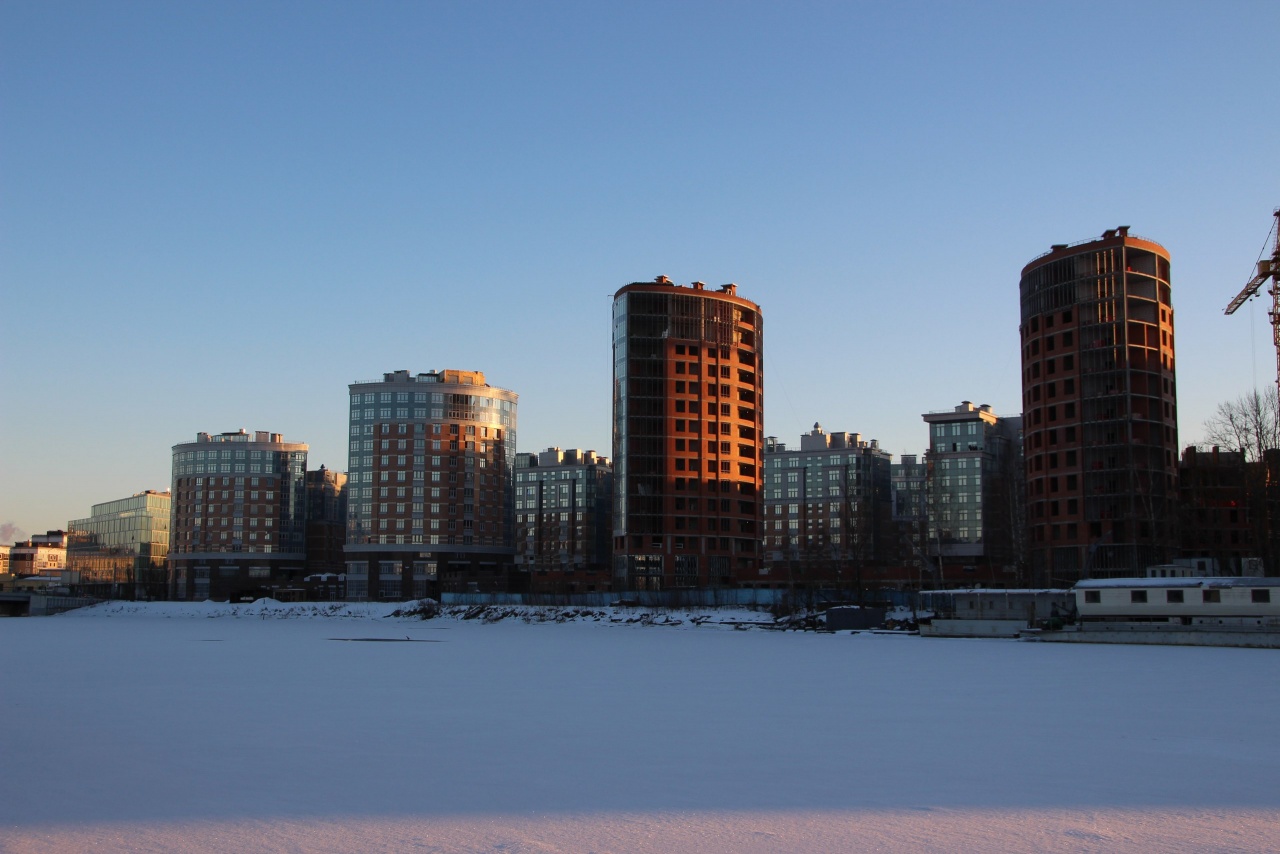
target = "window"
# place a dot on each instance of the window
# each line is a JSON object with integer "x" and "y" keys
{"x": 1173, "y": 597}
{"x": 1138, "y": 596}
{"x": 1093, "y": 597}
{"x": 1260, "y": 597}
{"x": 1211, "y": 595}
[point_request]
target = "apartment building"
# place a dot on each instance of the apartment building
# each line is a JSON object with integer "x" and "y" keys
{"x": 688, "y": 449}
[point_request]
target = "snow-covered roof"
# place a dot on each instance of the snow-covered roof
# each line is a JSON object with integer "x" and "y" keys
{"x": 1204, "y": 581}
{"x": 993, "y": 591}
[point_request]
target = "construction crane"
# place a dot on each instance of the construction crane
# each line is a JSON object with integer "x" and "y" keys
{"x": 1268, "y": 269}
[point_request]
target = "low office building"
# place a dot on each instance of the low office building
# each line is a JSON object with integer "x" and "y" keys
{"x": 826, "y": 510}
{"x": 41, "y": 554}
{"x": 121, "y": 550}
{"x": 564, "y": 521}
{"x": 239, "y": 516}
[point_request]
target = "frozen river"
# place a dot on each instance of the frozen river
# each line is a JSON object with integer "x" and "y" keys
{"x": 171, "y": 729}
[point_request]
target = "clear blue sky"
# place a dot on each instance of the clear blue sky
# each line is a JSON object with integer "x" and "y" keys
{"x": 217, "y": 215}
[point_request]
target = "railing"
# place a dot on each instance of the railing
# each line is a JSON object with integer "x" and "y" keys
{"x": 1057, "y": 247}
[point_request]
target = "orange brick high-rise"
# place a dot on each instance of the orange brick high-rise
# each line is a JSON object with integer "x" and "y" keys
{"x": 1100, "y": 429}
{"x": 688, "y": 423}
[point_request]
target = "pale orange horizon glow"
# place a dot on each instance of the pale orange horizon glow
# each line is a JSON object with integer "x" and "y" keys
{"x": 707, "y": 832}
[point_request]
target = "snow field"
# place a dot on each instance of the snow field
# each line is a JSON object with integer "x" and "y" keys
{"x": 230, "y": 728}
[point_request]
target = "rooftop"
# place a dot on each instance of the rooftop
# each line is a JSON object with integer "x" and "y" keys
{"x": 1203, "y": 581}
{"x": 1118, "y": 235}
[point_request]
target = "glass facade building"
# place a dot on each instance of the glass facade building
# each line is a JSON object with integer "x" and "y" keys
{"x": 121, "y": 550}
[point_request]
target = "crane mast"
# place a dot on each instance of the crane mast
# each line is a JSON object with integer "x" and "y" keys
{"x": 1268, "y": 270}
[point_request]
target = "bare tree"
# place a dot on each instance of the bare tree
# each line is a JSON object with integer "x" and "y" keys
{"x": 1249, "y": 424}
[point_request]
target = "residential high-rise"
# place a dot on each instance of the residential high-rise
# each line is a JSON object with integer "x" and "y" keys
{"x": 1215, "y": 525}
{"x": 326, "y": 526}
{"x": 688, "y": 421}
{"x": 1100, "y": 408}
{"x": 564, "y": 521}
{"x": 239, "y": 515}
{"x": 121, "y": 550}
{"x": 429, "y": 494}
{"x": 908, "y": 488}
{"x": 973, "y": 495}
{"x": 827, "y": 511}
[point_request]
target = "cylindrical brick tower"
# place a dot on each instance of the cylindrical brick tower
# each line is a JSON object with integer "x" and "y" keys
{"x": 1100, "y": 428}
{"x": 688, "y": 424}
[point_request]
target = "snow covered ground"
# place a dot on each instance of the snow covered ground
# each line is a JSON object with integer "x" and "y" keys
{"x": 202, "y": 727}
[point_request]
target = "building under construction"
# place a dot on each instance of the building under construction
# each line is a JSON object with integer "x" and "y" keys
{"x": 1099, "y": 408}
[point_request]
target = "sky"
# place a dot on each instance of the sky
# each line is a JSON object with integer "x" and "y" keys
{"x": 216, "y": 216}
